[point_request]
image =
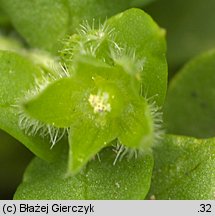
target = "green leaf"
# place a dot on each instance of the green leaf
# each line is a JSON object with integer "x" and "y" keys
{"x": 135, "y": 30}
{"x": 184, "y": 169}
{"x": 43, "y": 59}
{"x": 42, "y": 23}
{"x": 190, "y": 27}
{"x": 100, "y": 180}
{"x": 190, "y": 103}
{"x": 17, "y": 76}
{"x": 94, "y": 10}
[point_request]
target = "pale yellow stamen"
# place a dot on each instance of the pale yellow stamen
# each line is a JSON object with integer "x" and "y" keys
{"x": 100, "y": 102}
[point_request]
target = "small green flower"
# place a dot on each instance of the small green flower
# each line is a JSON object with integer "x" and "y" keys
{"x": 102, "y": 98}
{"x": 98, "y": 104}
{"x": 99, "y": 99}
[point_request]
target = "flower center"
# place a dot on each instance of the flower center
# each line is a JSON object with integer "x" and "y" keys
{"x": 100, "y": 102}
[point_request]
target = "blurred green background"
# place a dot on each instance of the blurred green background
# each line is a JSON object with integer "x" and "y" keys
{"x": 189, "y": 25}
{"x": 14, "y": 158}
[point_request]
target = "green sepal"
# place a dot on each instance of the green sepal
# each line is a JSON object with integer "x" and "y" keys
{"x": 86, "y": 139}
{"x": 137, "y": 126}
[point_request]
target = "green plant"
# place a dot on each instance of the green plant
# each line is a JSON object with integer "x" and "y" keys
{"x": 88, "y": 102}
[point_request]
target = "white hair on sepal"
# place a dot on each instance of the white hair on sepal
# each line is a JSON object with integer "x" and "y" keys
{"x": 157, "y": 117}
{"x": 127, "y": 58}
{"x": 55, "y": 134}
{"x": 129, "y": 153}
{"x": 121, "y": 151}
{"x": 33, "y": 127}
{"x": 65, "y": 71}
{"x": 88, "y": 40}
{"x": 95, "y": 37}
{"x": 155, "y": 111}
{"x": 44, "y": 80}
{"x": 118, "y": 148}
{"x": 58, "y": 70}
{"x": 157, "y": 135}
{"x": 93, "y": 33}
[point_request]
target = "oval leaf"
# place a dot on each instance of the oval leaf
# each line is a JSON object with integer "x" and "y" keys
{"x": 100, "y": 180}
{"x": 135, "y": 30}
{"x": 184, "y": 169}
{"x": 42, "y": 23}
{"x": 22, "y": 73}
{"x": 190, "y": 104}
